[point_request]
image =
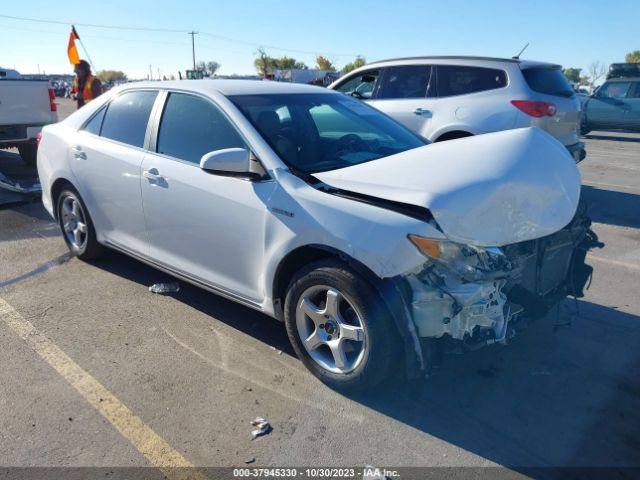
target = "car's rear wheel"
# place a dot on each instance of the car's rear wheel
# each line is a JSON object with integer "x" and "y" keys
{"x": 339, "y": 327}
{"x": 77, "y": 228}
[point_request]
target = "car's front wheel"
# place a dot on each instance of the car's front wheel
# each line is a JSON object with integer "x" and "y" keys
{"x": 77, "y": 228}
{"x": 339, "y": 327}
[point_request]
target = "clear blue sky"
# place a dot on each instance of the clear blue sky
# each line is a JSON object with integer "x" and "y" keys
{"x": 572, "y": 33}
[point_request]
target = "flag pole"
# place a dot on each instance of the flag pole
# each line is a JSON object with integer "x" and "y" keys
{"x": 85, "y": 50}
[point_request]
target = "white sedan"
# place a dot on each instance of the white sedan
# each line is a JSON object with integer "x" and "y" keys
{"x": 374, "y": 248}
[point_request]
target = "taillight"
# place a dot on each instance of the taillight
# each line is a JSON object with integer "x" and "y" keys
{"x": 535, "y": 109}
{"x": 52, "y": 100}
{"x": 38, "y": 138}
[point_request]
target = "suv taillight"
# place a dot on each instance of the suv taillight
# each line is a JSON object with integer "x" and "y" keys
{"x": 535, "y": 109}
{"x": 38, "y": 138}
{"x": 52, "y": 100}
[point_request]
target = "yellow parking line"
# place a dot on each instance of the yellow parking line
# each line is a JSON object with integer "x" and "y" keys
{"x": 631, "y": 266}
{"x": 141, "y": 436}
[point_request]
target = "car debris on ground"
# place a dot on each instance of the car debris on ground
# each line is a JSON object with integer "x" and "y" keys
{"x": 162, "y": 288}
{"x": 262, "y": 427}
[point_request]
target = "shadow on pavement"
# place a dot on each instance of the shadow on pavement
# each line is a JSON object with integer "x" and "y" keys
{"x": 611, "y": 207}
{"x": 552, "y": 397}
{"x": 615, "y": 138}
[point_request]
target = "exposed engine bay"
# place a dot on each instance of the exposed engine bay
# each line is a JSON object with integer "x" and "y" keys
{"x": 478, "y": 296}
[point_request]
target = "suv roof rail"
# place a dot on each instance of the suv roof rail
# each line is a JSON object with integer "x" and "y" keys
{"x": 449, "y": 57}
{"x": 623, "y": 70}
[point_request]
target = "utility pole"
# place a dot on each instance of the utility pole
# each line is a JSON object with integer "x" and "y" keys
{"x": 193, "y": 47}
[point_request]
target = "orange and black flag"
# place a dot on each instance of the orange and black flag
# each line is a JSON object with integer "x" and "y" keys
{"x": 72, "y": 51}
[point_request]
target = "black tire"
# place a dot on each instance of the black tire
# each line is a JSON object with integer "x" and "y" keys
{"x": 379, "y": 350}
{"x": 584, "y": 130}
{"x": 88, "y": 248}
{"x": 28, "y": 152}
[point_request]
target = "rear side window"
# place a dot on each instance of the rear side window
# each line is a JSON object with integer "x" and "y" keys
{"x": 192, "y": 126}
{"x": 127, "y": 117}
{"x": 360, "y": 86}
{"x": 412, "y": 81}
{"x": 550, "y": 81}
{"x": 458, "y": 80}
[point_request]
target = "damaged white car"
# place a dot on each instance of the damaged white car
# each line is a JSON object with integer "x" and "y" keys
{"x": 374, "y": 248}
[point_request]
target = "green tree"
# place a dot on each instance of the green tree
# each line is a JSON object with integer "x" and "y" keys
{"x": 357, "y": 63}
{"x": 323, "y": 63}
{"x": 633, "y": 57}
{"x": 263, "y": 63}
{"x": 110, "y": 76}
{"x": 572, "y": 74}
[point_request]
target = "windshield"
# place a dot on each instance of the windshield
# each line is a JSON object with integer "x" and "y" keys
{"x": 322, "y": 131}
{"x": 550, "y": 81}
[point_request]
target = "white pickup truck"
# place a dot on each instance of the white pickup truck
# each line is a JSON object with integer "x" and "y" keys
{"x": 25, "y": 107}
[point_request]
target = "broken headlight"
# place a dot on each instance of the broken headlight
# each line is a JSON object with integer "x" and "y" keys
{"x": 468, "y": 261}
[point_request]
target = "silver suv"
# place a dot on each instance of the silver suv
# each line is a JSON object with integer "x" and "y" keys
{"x": 443, "y": 98}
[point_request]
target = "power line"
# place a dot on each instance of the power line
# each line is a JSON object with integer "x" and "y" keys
{"x": 169, "y": 30}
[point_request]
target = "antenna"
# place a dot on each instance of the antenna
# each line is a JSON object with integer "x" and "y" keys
{"x": 517, "y": 57}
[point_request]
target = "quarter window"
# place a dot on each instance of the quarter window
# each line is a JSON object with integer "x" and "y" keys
{"x": 360, "y": 86}
{"x": 127, "y": 117}
{"x": 192, "y": 126}
{"x": 412, "y": 81}
{"x": 458, "y": 80}
{"x": 95, "y": 124}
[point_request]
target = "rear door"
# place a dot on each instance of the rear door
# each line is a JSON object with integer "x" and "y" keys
{"x": 105, "y": 158}
{"x": 610, "y": 107}
{"x": 406, "y": 94}
{"x": 206, "y": 226}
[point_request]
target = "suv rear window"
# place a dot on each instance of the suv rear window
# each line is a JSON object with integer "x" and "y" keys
{"x": 458, "y": 80}
{"x": 550, "y": 81}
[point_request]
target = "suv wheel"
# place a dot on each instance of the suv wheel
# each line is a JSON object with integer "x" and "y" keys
{"x": 76, "y": 225}
{"x": 339, "y": 327}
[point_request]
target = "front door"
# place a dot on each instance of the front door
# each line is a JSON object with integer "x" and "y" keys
{"x": 206, "y": 226}
{"x": 405, "y": 93}
{"x": 610, "y": 107}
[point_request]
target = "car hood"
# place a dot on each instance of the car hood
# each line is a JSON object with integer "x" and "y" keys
{"x": 488, "y": 190}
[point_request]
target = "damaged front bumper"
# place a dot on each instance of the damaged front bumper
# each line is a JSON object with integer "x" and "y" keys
{"x": 482, "y": 303}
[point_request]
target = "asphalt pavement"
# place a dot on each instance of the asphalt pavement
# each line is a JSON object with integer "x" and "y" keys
{"x": 96, "y": 371}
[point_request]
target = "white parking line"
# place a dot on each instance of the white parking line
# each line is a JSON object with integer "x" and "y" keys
{"x": 141, "y": 436}
{"x": 631, "y": 266}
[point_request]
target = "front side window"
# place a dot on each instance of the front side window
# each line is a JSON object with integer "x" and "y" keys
{"x": 127, "y": 117}
{"x": 326, "y": 131}
{"x": 192, "y": 126}
{"x": 459, "y": 80}
{"x": 614, "y": 90}
{"x": 412, "y": 81}
{"x": 361, "y": 85}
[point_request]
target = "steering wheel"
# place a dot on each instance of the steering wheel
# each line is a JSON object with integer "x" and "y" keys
{"x": 348, "y": 143}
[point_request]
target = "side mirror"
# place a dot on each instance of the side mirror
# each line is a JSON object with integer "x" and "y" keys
{"x": 233, "y": 162}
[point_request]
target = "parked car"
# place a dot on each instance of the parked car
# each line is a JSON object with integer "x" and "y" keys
{"x": 321, "y": 211}
{"x": 25, "y": 107}
{"x": 443, "y": 98}
{"x": 614, "y": 106}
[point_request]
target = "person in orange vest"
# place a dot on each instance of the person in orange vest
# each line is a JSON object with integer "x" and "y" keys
{"x": 86, "y": 87}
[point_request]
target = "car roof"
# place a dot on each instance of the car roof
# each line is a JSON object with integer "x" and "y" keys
{"x": 230, "y": 87}
{"x": 524, "y": 64}
{"x": 622, "y": 79}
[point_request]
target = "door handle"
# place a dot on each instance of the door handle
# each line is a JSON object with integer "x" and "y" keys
{"x": 153, "y": 175}
{"x": 78, "y": 153}
{"x": 422, "y": 111}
